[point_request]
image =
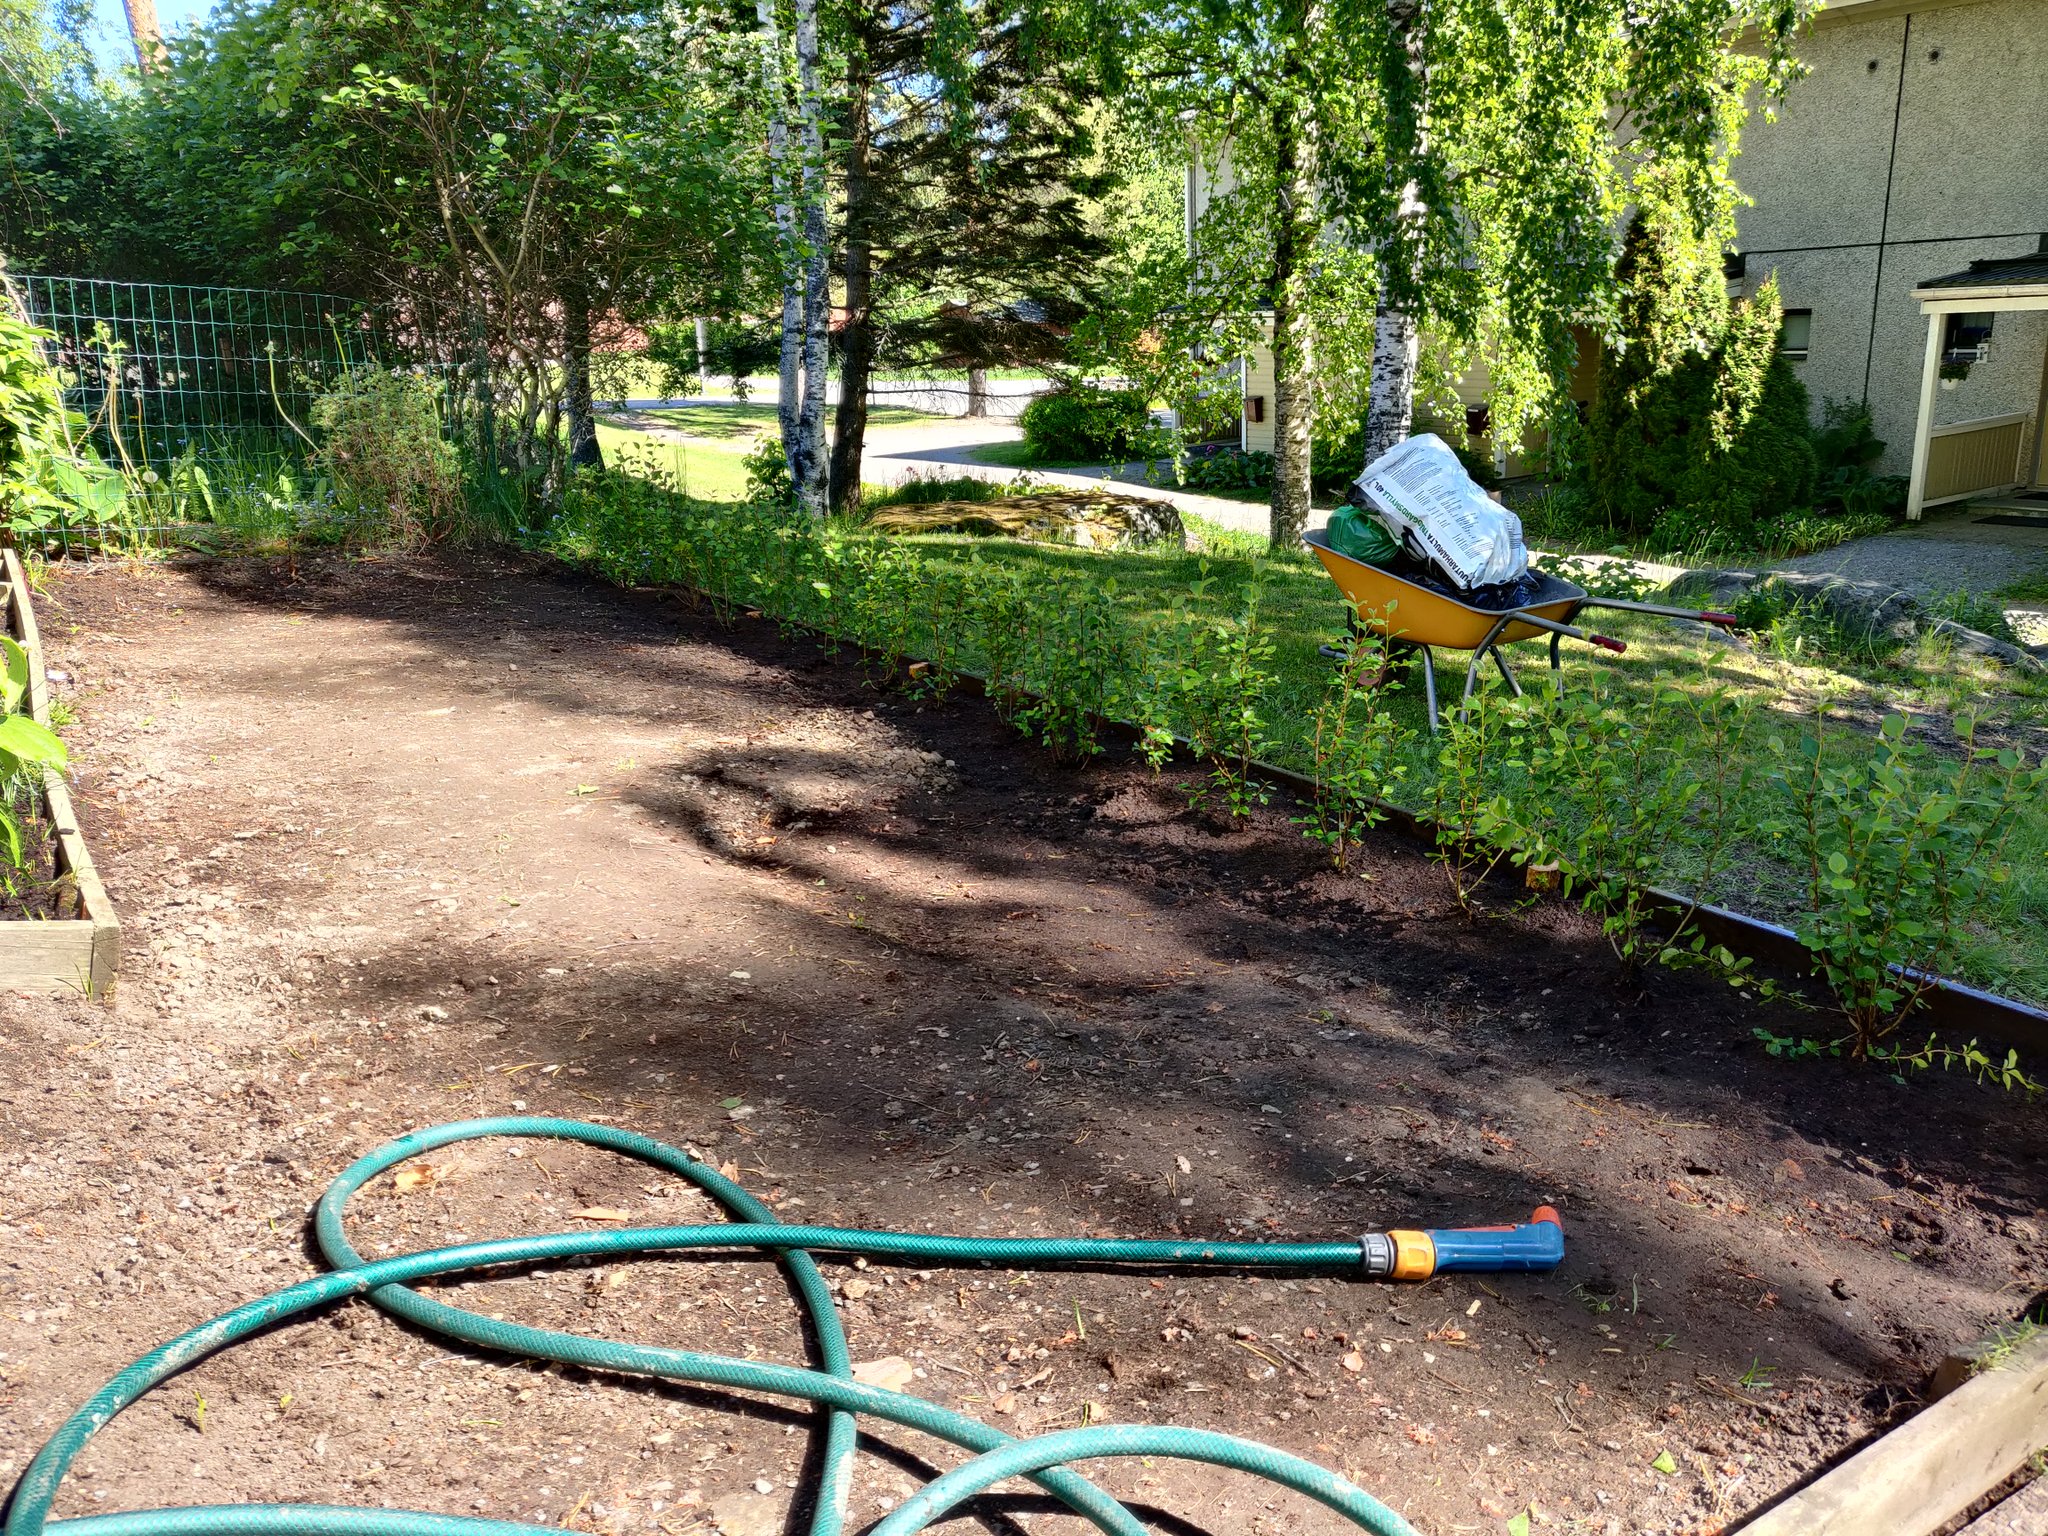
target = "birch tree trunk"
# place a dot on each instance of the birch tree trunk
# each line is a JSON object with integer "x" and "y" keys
{"x": 790, "y": 373}
{"x": 1390, "y": 408}
{"x": 1295, "y": 229}
{"x": 808, "y": 466}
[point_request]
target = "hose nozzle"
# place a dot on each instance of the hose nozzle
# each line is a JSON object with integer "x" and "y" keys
{"x": 1531, "y": 1246}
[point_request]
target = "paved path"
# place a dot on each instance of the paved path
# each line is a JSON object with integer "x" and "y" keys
{"x": 1944, "y": 554}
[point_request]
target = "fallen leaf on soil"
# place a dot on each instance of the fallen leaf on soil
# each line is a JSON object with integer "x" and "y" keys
{"x": 891, "y": 1372}
{"x": 1353, "y": 1361}
{"x": 1664, "y": 1463}
{"x": 1007, "y": 1403}
{"x": 853, "y": 1290}
{"x": 423, "y": 1176}
{"x": 603, "y": 1213}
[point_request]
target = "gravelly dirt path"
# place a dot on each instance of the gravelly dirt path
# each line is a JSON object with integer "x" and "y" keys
{"x": 409, "y": 841}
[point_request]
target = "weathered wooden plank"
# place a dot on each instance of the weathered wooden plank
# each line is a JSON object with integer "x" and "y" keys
{"x": 54, "y": 956}
{"x": 26, "y": 946}
{"x": 1935, "y": 1465}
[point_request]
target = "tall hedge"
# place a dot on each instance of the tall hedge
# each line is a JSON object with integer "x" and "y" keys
{"x": 1700, "y": 426}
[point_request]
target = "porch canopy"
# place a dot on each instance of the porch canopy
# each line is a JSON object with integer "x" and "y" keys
{"x": 1972, "y": 457}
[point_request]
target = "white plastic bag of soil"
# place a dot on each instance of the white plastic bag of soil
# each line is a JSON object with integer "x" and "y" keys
{"x": 1424, "y": 495}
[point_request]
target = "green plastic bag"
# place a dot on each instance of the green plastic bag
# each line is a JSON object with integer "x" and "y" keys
{"x": 1354, "y": 531}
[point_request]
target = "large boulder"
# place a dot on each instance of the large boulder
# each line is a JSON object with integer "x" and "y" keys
{"x": 1095, "y": 519}
{"x": 1864, "y": 610}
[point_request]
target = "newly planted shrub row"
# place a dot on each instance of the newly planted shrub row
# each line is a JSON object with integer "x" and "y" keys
{"x": 1897, "y": 859}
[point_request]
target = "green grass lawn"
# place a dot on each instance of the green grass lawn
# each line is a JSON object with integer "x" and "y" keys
{"x": 708, "y": 474}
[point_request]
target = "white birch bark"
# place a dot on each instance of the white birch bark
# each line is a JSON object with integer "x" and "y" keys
{"x": 790, "y": 373}
{"x": 1390, "y": 406}
{"x": 809, "y": 467}
{"x": 1296, "y": 229}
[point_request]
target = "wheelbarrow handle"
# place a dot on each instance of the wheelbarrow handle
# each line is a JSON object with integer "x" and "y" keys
{"x": 1699, "y": 616}
{"x": 1604, "y": 642}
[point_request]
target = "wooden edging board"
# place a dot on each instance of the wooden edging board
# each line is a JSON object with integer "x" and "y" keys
{"x": 80, "y": 951}
{"x": 1950, "y": 1005}
{"x": 1932, "y": 1467}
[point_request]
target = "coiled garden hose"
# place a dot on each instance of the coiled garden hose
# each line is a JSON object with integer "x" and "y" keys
{"x": 1536, "y": 1245}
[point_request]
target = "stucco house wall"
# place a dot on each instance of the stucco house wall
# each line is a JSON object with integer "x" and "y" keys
{"x": 1917, "y": 143}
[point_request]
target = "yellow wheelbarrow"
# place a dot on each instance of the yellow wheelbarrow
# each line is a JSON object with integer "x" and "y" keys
{"x": 1425, "y": 613}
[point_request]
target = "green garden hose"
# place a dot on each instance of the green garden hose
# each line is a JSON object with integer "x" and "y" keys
{"x": 1538, "y": 1245}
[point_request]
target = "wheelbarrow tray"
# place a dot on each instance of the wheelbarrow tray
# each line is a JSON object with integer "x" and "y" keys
{"x": 1400, "y": 608}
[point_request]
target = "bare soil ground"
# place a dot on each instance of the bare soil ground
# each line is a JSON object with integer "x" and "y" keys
{"x": 407, "y": 841}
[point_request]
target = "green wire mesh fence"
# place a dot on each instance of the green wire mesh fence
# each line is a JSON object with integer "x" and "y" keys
{"x": 170, "y": 379}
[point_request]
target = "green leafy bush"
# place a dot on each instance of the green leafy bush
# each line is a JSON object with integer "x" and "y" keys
{"x": 1081, "y": 423}
{"x": 1356, "y": 748}
{"x": 1234, "y": 469}
{"x": 768, "y": 477}
{"x": 1617, "y": 793}
{"x": 1904, "y": 855}
{"x": 1211, "y": 675}
{"x": 381, "y": 447}
{"x": 48, "y": 475}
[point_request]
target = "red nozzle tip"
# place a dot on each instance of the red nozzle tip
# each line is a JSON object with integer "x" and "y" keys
{"x": 1546, "y": 1213}
{"x": 1608, "y": 643}
{"x": 1728, "y": 619}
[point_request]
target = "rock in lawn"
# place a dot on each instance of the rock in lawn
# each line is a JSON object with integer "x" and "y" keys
{"x": 1098, "y": 519}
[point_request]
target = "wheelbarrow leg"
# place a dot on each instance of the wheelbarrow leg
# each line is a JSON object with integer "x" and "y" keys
{"x": 1429, "y": 684}
{"x": 1490, "y": 643}
{"x": 1555, "y": 641}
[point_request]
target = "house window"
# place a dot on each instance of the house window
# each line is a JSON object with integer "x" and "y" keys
{"x": 1796, "y": 335}
{"x": 1966, "y": 338}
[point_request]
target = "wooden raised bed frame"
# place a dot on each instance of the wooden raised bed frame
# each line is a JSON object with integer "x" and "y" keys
{"x": 79, "y": 950}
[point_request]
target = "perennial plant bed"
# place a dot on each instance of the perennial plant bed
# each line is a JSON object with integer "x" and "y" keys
{"x": 412, "y": 840}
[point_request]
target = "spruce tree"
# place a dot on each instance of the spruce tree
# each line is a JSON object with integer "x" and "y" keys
{"x": 968, "y": 176}
{"x": 1699, "y": 427}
